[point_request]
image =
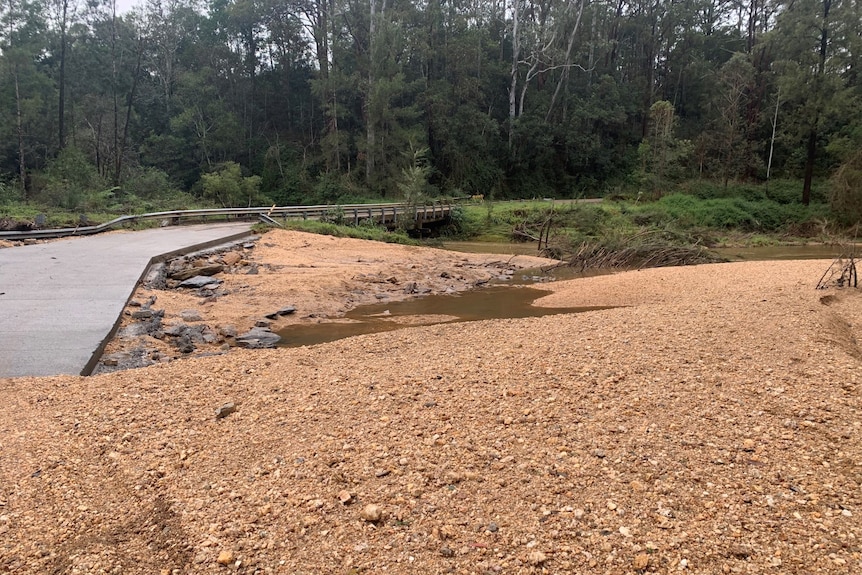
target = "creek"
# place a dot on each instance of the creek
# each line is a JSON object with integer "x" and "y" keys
{"x": 504, "y": 300}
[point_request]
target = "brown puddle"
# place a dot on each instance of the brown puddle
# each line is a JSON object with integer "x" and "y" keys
{"x": 504, "y": 302}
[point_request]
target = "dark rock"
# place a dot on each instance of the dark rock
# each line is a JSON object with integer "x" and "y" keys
{"x": 283, "y": 311}
{"x": 134, "y": 303}
{"x": 176, "y": 330}
{"x": 142, "y": 314}
{"x": 381, "y": 296}
{"x": 258, "y": 338}
{"x": 209, "y": 336}
{"x": 225, "y": 410}
{"x": 227, "y": 330}
{"x": 262, "y": 323}
{"x": 204, "y": 270}
{"x": 199, "y": 282}
{"x": 184, "y": 344}
{"x": 252, "y": 271}
{"x": 493, "y": 527}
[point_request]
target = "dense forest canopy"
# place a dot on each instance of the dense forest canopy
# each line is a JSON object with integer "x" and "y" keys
{"x": 297, "y": 101}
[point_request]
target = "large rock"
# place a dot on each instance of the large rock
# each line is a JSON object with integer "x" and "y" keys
{"x": 258, "y": 338}
{"x": 199, "y": 282}
{"x": 187, "y": 273}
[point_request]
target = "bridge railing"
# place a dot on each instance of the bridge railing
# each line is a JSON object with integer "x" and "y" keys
{"x": 384, "y": 213}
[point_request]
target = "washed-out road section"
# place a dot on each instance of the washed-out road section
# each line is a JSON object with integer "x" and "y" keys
{"x": 60, "y": 301}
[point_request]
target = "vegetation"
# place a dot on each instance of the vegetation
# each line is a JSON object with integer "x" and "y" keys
{"x": 676, "y": 229}
{"x": 324, "y": 101}
{"x": 342, "y": 230}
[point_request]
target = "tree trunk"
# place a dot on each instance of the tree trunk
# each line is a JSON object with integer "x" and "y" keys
{"x": 130, "y": 97}
{"x": 516, "y": 54}
{"x": 22, "y": 167}
{"x": 809, "y": 166}
{"x": 371, "y": 133}
{"x": 565, "y": 75}
{"x": 61, "y": 105}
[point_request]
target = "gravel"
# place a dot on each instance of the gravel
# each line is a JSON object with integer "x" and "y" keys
{"x": 723, "y": 401}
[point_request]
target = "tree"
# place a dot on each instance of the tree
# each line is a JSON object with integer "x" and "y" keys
{"x": 812, "y": 37}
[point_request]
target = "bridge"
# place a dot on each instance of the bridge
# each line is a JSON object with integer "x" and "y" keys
{"x": 384, "y": 214}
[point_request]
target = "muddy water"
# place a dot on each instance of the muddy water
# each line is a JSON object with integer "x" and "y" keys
{"x": 496, "y": 302}
{"x": 786, "y": 252}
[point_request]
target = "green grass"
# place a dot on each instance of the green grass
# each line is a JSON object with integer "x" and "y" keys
{"x": 365, "y": 232}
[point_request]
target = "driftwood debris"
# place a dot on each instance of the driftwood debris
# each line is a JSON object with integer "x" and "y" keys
{"x": 840, "y": 273}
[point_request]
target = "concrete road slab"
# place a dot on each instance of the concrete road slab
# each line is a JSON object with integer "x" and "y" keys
{"x": 61, "y": 300}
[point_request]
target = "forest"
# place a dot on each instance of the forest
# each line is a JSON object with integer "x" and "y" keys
{"x": 240, "y": 102}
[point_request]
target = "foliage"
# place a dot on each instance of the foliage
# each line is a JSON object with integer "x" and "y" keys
{"x": 846, "y": 196}
{"x": 321, "y": 100}
{"x": 359, "y": 232}
{"x": 229, "y": 188}
{"x": 71, "y": 182}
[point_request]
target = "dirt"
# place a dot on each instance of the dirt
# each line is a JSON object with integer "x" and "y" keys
{"x": 322, "y": 277}
{"x": 711, "y": 424}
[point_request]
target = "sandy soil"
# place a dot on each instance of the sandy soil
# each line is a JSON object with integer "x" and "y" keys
{"x": 711, "y": 424}
{"x": 321, "y": 276}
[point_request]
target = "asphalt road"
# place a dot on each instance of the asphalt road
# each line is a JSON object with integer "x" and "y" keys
{"x": 60, "y": 301}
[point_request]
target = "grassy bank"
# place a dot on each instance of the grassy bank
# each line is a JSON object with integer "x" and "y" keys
{"x": 675, "y": 229}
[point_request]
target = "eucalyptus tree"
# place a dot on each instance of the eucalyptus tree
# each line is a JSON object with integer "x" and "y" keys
{"x": 814, "y": 40}
{"x": 25, "y": 90}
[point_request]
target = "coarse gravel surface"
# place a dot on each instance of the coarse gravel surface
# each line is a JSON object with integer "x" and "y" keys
{"x": 709, "y": 424}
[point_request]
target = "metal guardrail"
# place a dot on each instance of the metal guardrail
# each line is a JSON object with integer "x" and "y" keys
{"x": 384, "y": 213}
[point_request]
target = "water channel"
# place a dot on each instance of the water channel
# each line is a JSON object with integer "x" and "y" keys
{"x": 512, "y": 300}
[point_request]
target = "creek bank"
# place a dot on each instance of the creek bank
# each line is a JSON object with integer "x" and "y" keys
{"x": 240, "y": 296}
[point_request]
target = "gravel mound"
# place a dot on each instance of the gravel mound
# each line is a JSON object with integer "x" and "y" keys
{"x": 711, "y": 425}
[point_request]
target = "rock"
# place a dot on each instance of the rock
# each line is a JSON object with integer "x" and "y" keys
{"x": 184, "y": 344}
{"x": 252, "y": 271}
{"x": 175, "y": 330}
{"x": 142, "y": 314}
{"x": 258, "y": 338}
{"x": 227, "y": 330}
{"x": 283, "y": 311}
{"x": 625, "y": 531}
{"x": 191, "y": 315}
{"x": 641, "y": 562}
{"x": 536, "y": 557}
{"x": 345, "y": 497}
{"x": 188, "y": 273}
{"x": 446, "y": 552}
{"x": 134, "y": 303}
{"x": 225, "y": 558}
{"x": 231, "y": 258}
{"x": 225, "y": 410}
{"x": 748, "y": 445}
{"x": 371, "y": 513}
{"x": 493, "y": 527}
{"x": 262, "y": 323}
{"x": 199, "y": 281}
